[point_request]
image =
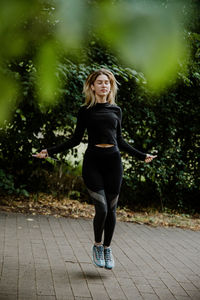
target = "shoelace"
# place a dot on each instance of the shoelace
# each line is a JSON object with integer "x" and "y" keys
{"x": 107, "y": 254}
{"x": 100, "y": 252}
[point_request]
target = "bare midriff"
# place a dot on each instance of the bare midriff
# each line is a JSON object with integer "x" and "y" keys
{"x": 104, "y": 145}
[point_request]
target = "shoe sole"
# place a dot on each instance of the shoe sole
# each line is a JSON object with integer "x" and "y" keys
{"x": 109, "y": 268}
{"x": 98, "y": 265}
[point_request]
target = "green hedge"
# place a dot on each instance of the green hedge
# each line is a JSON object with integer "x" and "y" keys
{"x": 167, "y": 123}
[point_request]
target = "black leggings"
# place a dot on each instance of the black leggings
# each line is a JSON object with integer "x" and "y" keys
{"x": 102, "y": 173}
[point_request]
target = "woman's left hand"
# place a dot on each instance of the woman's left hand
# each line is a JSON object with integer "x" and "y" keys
{"x": 149, "y": 158}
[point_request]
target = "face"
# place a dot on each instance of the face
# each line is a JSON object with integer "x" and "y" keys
{"x": 101, "y": 86}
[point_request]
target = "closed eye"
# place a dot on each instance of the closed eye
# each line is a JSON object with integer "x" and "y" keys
{"x": 100, "y": 82}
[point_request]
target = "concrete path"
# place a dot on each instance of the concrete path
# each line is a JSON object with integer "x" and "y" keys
{"x": 50, "y": 258}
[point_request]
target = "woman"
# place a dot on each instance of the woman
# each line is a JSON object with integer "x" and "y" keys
{"x": 102, "y": 167}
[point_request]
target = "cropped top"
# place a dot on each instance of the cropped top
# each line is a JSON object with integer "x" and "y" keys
{"x": 103, "y": 124}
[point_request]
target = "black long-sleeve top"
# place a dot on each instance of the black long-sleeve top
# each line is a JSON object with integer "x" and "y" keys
{"x": 103, "y": 124}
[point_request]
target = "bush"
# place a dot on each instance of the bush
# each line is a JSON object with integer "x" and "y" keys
{"x": 7, "y": 185}
{"x": 166, "y": 123}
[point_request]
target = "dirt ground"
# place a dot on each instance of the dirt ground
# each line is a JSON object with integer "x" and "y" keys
{"x": 48, "y": 205}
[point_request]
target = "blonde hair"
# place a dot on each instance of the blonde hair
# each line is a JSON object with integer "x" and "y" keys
{"x": 90, "y": 98}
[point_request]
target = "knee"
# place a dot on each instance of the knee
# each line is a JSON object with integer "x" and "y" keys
{"x": 112, "y": 211}
{"x": 112, "y": 200}
{"x": 101, "y": 211}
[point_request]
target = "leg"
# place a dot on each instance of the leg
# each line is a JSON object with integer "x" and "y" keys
{"x": 113, "y": 180}
{"x": 110, "y": 219}
{"x": 94, "y": 181}
{"x": 101, "y": 209}
{"x": 103, "y": 175}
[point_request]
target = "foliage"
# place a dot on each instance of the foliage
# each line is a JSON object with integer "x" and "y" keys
{"x": 7, "y": 185}
{"x": 146, "y": 35}
{"x": 65, "y": 181}
{"x": 167, "y": 123}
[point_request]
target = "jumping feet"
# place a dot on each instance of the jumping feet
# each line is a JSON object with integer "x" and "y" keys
{"x": 102, "y": 257}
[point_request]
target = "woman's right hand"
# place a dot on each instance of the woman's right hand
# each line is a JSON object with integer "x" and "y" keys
{"x": 42, "y": 154}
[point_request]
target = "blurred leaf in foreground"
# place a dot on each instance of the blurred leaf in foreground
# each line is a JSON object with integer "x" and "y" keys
{"x": 147, "y": 36}
{"x": 8, "y": 96}
{"x": 47, "y": 81}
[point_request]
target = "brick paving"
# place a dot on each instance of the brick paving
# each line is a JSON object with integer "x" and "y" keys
{"x": 43, "y": 257}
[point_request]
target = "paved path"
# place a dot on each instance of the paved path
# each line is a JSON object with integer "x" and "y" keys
{"x": 50, "y": 258}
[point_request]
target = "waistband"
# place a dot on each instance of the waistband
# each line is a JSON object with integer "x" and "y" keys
{"x": 97, "y": 149}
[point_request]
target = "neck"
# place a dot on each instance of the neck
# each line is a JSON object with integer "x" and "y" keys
{"x": 101, "y": 99}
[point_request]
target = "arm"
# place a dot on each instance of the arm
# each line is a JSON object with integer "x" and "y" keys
{"x": 124, "y": 146}
{"x": 75, "y": 139}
